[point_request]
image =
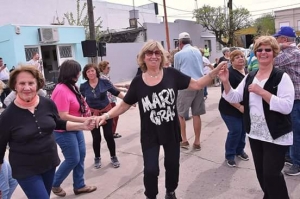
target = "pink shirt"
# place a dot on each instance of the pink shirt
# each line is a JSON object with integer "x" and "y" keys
{"x": 65, "y": 100}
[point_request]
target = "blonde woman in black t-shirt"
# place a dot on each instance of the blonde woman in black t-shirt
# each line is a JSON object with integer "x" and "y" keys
{"x": 155, "y": 91}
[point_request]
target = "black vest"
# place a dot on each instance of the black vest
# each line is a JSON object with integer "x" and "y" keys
{"x": 278, "y": 123}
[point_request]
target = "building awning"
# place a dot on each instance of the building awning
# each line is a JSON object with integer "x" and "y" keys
{"x": 246, "y": 31}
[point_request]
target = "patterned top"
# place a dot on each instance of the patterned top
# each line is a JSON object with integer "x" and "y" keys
{"x": 289, "y": 61}
{"x": 112, "y": 98}
{"x": 282, "y": 103}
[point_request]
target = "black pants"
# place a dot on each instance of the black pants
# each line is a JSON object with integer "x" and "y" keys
{"x": 108, "y": 135}
{"x": 269, "y": 161}
{"x": 151, "y": 168}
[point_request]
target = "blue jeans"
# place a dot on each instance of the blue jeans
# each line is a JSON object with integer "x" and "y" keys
{"x": 205, "y": 91}
{"x": 72, "y": 145}
{"x": 38, "y": 186}
{"x": 295, "y": 148}
{"x": 151, "y": 168}
{"x": 7, "y": 183}
{"x": 235, "y": 142}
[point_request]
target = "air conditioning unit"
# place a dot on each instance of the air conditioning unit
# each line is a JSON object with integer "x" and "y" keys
{"x": 48, "y": 35}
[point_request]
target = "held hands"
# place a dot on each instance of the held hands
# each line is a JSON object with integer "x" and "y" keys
{"x": 241, "y": 109}
{"x": 89, "y": 123}
{"x": 223, "y": 72}
{"x": 100, "y": 120}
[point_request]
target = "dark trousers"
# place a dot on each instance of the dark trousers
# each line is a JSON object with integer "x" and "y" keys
{"x": 269, "y": 161}
{"x": 38, "y": 186}
{"x": 151, "y": 168}
{"x": 108, "y": 135}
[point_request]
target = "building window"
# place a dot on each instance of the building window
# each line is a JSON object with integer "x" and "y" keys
{"x": 281, "y": 24}
{"x": 30, "y": 51}
{"x": 65, "y": 51}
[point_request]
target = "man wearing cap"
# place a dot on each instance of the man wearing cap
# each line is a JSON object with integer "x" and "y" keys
{"x": 289, "y": 61}
{"x": 189, "y": 61}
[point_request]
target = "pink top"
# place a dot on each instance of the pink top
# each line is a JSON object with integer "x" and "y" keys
{"x": 65, "y": 100}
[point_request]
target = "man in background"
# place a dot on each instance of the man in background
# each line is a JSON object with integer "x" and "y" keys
{"x": 189, "y": 61}
{"x": 288, "y": 60}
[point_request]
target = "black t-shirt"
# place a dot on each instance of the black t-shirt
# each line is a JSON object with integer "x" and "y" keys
{"x": 32, "y": 145}
{"x": 223, "y": 59}
{"x": 235, "y": 77}
{"x": 157, "y": 105}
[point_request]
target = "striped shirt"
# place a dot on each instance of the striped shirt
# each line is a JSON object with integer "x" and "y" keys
{"x": 289, "y": 61}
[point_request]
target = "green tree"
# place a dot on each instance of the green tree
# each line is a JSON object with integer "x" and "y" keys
{"x": 83, "y": 20}
{"x": 214, "y": 19}
{"x": 265, "y": 25}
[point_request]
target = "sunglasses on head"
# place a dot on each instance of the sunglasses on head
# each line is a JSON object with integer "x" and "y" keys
{"x": 150, "y": 52}
{"x": 264, "y": 49}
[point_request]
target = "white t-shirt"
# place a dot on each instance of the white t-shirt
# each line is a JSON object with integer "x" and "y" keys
{"x": 35, "y": 63}
{"x": 206, "y": 64}
{"x": 4, "y": 74}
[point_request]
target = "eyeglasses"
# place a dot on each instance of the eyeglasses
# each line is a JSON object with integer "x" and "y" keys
{"x": 156, "y": 52}
{"x": 264, "y": 49}
{"x": 94, "y": 92}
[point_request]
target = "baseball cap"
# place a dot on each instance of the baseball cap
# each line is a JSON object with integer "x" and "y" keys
{"x": 184, "y": 35}
{"x": 285, "y": 31}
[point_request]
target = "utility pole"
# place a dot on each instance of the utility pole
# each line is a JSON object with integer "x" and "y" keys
{"x": 90, "y": 9}
{"x": 166, "y": 26}
{"x": 231, "y": 28}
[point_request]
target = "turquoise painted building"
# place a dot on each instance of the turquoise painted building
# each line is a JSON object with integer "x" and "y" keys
{"x": 54, "y": 44}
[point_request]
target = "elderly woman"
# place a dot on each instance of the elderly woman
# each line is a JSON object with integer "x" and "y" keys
{"x": 71, "y": 106}
{"x": 232, "y": 113}
{"x": 156, "y": 93}
{"x": 95, "y": 91}
{"x": 268, "y": 96}
{"x": 33, "y": 152}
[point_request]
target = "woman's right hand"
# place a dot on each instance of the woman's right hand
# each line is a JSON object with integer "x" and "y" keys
{"x": 224, "y": 74}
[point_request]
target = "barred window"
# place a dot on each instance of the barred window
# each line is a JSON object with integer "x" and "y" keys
{"x": 65, "y": 51}
{"x": 29, "y": 51}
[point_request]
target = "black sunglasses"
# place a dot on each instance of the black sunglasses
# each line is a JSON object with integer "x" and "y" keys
{"x": 264, "y": 49}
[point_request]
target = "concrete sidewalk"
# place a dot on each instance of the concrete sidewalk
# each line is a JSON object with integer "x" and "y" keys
{"x": 203, "y": 174}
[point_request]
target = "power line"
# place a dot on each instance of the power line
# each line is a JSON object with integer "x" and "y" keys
{"x": 275, "y": 7}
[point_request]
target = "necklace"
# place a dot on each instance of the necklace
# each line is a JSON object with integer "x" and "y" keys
{"x": 154, "y": 76}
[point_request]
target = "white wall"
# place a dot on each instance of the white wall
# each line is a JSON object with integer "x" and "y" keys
{"x": 122, "y": 60}
{"x": 198, "y": 34}
{"x": 44, "y": 12}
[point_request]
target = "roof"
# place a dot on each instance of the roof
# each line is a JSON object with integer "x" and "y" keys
{"x": 246, "y": 31}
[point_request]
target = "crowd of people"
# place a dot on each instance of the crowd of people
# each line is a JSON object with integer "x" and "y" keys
{"x": 260, "y": 100}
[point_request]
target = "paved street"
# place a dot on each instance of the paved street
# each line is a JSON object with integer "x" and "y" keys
{"x": 203, "y": 174}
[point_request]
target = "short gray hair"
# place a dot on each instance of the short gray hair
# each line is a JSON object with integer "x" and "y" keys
{"x": 224, "y": 50}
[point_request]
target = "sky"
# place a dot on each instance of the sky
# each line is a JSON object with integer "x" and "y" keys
{"x": 182, "y": 9}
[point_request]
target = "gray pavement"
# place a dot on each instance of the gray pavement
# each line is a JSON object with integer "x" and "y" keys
{"x": 203, "y": 174}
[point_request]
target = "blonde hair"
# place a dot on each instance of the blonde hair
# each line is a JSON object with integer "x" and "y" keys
{"x": 102, "y": 65}
{"x": 151, "y": 45}
{"x": 267, "y": 40}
